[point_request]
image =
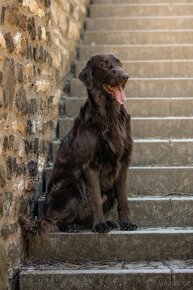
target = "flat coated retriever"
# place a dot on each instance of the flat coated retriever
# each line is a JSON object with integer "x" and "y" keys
{"x": 91, "y": 168}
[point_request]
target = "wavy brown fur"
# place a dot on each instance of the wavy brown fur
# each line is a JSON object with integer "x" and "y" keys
{"x": 91, "y": 167}
{"x": 37, "y": 227}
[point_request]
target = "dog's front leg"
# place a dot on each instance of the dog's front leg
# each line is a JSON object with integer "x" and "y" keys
{"x": 95, "y": 201}
{"x": 122, "y": 200}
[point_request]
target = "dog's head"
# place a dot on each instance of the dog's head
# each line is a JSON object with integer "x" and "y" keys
{"x": 104, "y": 72}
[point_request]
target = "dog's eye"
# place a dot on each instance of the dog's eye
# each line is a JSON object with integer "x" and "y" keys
{"x": 104, "y": 65}
{"x": 120, "y": 64}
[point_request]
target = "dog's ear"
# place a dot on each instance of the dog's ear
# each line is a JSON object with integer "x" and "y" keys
{"x": 86, "y": 75}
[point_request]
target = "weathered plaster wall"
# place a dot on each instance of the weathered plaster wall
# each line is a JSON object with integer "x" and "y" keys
{"x": 37, "y": 42}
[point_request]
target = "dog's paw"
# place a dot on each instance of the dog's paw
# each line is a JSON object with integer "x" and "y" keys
{"x": 101, "y": 228}
{"x": 112, "y": 225}
{"x": 70, "y": 228}
{"x": 128, "y": 227}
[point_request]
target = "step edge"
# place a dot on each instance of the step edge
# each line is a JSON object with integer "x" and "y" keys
{"x": 146, "y": 141}
{"x": 152, "y": 79}
{"x": 73, "y": 98}
{"x": 142, "y": 4}
{"x": 138, "y": 31}
{"x": 139, "y": 231}
{"x": 168, "y": 118}
{"x": 165, "y": 61}
{"x": 152, "y": 198}
{"x": 135, "y": 45}
{"x": 186, "y": 17}
{"x": 147, "y": 168}
{"x": 96, "y": 272}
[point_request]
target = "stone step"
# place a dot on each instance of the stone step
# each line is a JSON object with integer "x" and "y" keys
{"x": 147, "y": 88}
{"x": 166, "y": 127}
{"x": 139, "y": 52}
{"x": 139, "y": 1}
{"x": 153, "y": 68}
{"x": 149, "y": 128}
{"x": 173, "y": 152}
{"x": 176, "y": 275}
{"x": 151, "y": 244}
{"x": 153, "y": 211}
{"x": 162, "y": 180}
{"x": 139, "y": 37}
{"x": 149, "y": 9}
{"x": 125, "y": 23}
{"x": 140, "y": 107}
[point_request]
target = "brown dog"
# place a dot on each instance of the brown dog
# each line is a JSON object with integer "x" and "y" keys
{"x": 91, "y": 168}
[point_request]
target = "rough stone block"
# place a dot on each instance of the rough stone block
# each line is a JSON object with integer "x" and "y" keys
{"x": 9, "y": 42}
{"x": 22, "y": 22}
{"x": 20, "y": 72}
{"x": 34, "y": 7}
{"x": 9, "y": 82}
{"x": 2, "y": 41}
{"x": 31, "y": 27}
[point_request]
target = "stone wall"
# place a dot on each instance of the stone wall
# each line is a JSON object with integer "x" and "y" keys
{"x": 37, "y": 42}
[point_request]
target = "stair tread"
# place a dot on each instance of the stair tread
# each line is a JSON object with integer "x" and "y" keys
{"x": 139, "y": 36}
{"x": 135, "y": 45}
{"x": 148, "y": 167}
{"x": 116, "y": 267}
{"x": 162, "y": 140}
{"x": 150, "y": 61}
{"x": 155, "y": 243}
{"x": 139, "y": 1}
{"x": 138, "y": 22}
{"x": 144, "y": 198}
{"x": 152, "y": 68}
{"x": 139, "y": 107}
{"x": 153, "y": 211}
{"x": 140, "y": 9}
{"x": 69, "y": 98}
{"x": 140, "y": 17}
{"x": 148, "y": 79}
{"x": 143, "y": 87}
{"x": 138, "y": 31}
{"x": 74, "y": 98}
{"x": 142, "y": 4}
{"x": 187, "y": 140}
{"x": 114, "y": 233}
{"x": 175, "y": 274}
{"x": 147, "y": 118}
{"x": 152, "y": 78}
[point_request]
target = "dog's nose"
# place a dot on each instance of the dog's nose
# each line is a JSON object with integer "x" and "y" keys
{"x": 124, "y": 77}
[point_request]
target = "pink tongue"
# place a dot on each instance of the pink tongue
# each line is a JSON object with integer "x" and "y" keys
{"x": 119, "y": 94}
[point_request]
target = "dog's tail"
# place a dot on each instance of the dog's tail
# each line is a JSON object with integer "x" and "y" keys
{"x": 37, "y": 227}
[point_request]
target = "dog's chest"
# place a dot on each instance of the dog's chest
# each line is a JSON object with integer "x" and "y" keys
{"x": 109, "y": 160}
{"x": 111, "y": 147}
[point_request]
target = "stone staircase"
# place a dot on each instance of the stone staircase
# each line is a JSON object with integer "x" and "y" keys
{"x": 154, "y": 40}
